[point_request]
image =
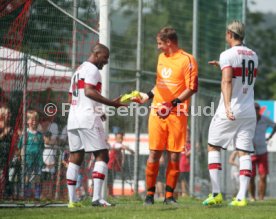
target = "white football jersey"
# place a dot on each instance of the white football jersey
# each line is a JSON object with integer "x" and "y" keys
{"x": 244, "y": 63}
{"x": 83, "y": 110}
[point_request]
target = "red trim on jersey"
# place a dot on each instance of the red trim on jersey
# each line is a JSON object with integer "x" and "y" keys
{"x": 80, "y": 84}
{"x": 195, "y": 88}
{"x": 213, "y": 166}
{"x": 71, "y": 182}
{"x": 237, "y": 72}
{"x": 228, "y": 66}
{"x": 97, "y": 87}
{"x": 247, "y": 173}
{"x": 93, "y": 85}
{"x": 98, "y": 175}
{"x": 70, "y": 93}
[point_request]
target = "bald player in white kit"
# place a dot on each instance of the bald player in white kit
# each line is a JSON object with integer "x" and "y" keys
{"x": 85, "y": 128}
{"x": 235, "y": 118}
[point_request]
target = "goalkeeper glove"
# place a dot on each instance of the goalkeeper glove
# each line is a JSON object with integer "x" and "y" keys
{"x": 165, "y": 109}
{"x": 144, "y": 97}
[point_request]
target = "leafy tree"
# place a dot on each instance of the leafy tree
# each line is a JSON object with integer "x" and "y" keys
{"x": 48, "y": 33}
{"x": 261, "y": 37}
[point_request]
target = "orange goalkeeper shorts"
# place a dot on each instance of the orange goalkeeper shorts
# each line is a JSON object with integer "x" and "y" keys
{"x": 167, "y": 134}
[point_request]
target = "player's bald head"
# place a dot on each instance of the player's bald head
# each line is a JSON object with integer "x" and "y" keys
{"x": 99, "y": 55}
{"x": 99, "y": 48}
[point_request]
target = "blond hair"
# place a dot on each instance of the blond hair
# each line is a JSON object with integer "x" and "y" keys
{"x": 237, "y": 28}
{"x": 32, "y": 114}
{"x": 4, "y": 110}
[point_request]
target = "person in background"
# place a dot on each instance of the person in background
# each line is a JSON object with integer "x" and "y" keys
{"x": 33, "y": 155}
{"x": 47, "y": 125}
{"x": 15, "y": 167}
{"x": 81, "y": 181}
{"x": 116, "y": 159}
{"x": 184, "y": 167}
{"x": 64, "y": 165}
{"x": 260, "y": 157}
{"x": 234, "y": 172}
{"x": 160, "y": 180}
{"x": 6, "y": 133}
{"x": 63, "y": 142}
{"x": 49, "y": 169}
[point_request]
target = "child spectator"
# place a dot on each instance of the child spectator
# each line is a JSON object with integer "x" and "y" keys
{"x": 6, "y": 133}
{"x": 48, "y": 171}
{"x": 184, "y": 167}
{"x": 160, "y": 180}
{"x": 235, "y": 172}
{"x": 33, "y": 155}
{"x": 116, "y": 159}
{"x": 81, "y": 181}
{"x": 47, "y": 125}
{"x": 64, "y": 166}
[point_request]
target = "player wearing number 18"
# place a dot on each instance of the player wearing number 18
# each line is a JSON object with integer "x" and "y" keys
{"x": 235, "y": 118}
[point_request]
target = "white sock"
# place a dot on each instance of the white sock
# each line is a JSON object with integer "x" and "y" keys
{"x": 245, "y": 174}
{"x": 99, "y": 173}
{"x": 214, "y": 166}
{"x": 71, "y": 176}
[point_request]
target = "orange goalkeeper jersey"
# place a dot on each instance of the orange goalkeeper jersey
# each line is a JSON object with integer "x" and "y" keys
{"x": 175, "y": 73}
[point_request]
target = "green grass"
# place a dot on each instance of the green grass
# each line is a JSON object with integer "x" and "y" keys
{"x": 131, "y": 208}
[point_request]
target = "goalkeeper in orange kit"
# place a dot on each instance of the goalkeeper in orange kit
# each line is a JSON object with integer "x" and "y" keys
{"x": 176, "y": 82}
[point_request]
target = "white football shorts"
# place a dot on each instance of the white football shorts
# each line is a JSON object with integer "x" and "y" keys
{"x": 89, "y": 140}
{"x": 240, "y": 132}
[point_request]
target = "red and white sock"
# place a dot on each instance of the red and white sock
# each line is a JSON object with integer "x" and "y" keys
{"x": 71, "y": 176}
{"x": 245, "y": 174}
{"x": 98, "y": 175}
{"x": 214, "y": 166}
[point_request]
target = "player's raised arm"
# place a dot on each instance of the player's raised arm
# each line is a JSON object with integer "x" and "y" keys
{"x": 214, "y": 63}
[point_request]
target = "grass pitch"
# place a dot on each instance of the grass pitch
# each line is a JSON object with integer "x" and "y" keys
{"x": 131, "y": 208}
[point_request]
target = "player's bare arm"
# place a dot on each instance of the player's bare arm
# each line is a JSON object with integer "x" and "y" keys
{"x": 128, "y": 149}
{"x": 214, "y": 63}
{"x": 272, "y": 133}
{"x": 92, "y": 93}
{"x": 226, "y": 88}
{"x": 186, "y": 94}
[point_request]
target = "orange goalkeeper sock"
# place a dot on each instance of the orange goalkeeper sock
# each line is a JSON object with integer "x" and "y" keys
{"x": 171, "y": 178}
{"x": 151, "y": 175}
